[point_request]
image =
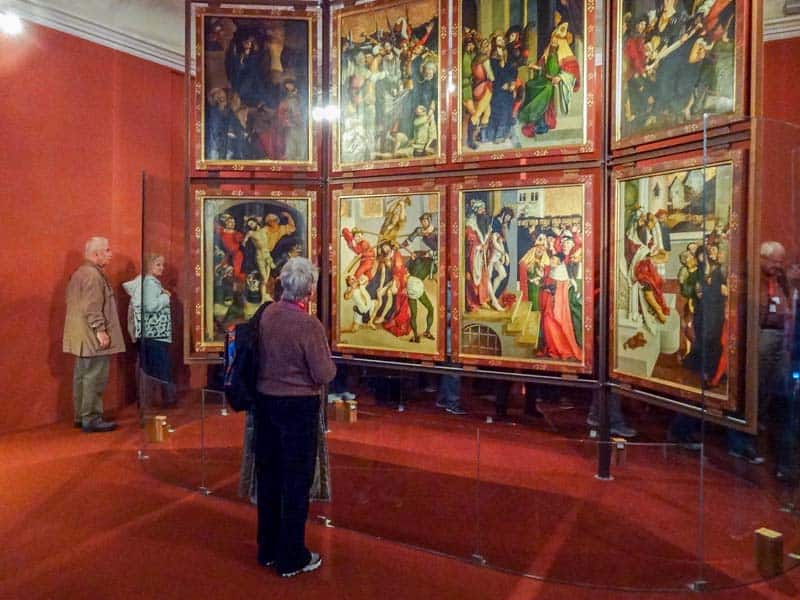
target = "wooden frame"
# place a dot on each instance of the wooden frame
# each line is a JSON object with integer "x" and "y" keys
{"x": 230, "y": 265}
{"x": 548, "y": 208}
{"x": 649, "y": 347}
{"x": 686, "y": 65}
{"x": 255, "y": 114}
{"x": 373, "y": 227}
{"x": 402, "y": 42}
{"x": 542, "y": 138}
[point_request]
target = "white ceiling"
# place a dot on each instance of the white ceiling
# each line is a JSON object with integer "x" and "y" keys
{"x": 154, "y": 29}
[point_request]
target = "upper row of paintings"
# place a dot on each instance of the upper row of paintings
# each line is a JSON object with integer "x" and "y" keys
{"x": 413, "y": 86}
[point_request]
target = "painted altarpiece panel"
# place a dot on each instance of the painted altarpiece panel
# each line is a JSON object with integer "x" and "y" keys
{"x": 674, "y": 62}
{"x": 528, "y": 83}
{"x": 243, "y": 239}
{"x": 677, "y": 279}
{"x": 388, "y": 73}
{"x": 388, "y": 276}
{"x": 523, "y": 272}
{"x": 257, "y": 72}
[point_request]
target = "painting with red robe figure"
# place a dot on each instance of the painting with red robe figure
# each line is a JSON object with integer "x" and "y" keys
{"x": 676, "y": 273}
{"x": 387, "y": 72}
{"x": 677, "y": 61}
{"x": 389, "y": 274}
{"x": 244, "y": 243}
{"x": 254, "y": 92}
{"x": 525, "y": 277}
{"x": 526, "y": 78}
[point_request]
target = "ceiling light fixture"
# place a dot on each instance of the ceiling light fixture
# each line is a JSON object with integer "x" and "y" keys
{"x": 10, "y": 24}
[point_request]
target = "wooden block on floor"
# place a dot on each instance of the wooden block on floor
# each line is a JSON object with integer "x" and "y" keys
{"x": 768, "y": 552}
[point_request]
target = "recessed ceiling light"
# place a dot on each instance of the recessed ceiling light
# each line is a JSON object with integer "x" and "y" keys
{"x": 10, "y": 24}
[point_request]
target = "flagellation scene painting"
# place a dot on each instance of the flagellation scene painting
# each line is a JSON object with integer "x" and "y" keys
{"x": 388, "y": 83}
{"x": 253, "y": 105}
{"x": 675, "y": 258}
{"x": 677, "y": 59}
{"x": 389, "y": 279}
{"x": 525, "y": 278}
{"x": 523, "y": 74}
{"x": 244, "y": 244}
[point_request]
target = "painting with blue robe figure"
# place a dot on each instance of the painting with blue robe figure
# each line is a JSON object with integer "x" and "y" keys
{"x": 253, "y": 101}
{"x": 676, "y": 266}
{"x": 526, "y": 272}
{"x": 244, "y": 243}
{"x": 387, "y": 69}
{"x": 525, "y": 81}
{"x": 676, "y": 61}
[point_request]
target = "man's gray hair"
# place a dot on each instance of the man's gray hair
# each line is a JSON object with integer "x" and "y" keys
{"x": 298, "y": 278}
{"x": 93, "y": 244}
{"x": 770, "y": 248}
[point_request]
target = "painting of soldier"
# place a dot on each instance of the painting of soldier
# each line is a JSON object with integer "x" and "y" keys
{"x": 256, "y": 90}
{"x": 388, "y": 83}
{"x": 388, "y": 282}
{"x": 524, "y": 281}
{"x": 677, "y": 60}
{"x": 244, "y": 244}
{"x": 675, "y": 250}
{"x": 523, "y": 74}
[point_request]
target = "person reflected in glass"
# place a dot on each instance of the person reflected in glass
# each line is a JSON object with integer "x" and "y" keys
{"x": 294, "y": 364}
{"x": 776, "y": 404}
{"x": 152, "y": 319}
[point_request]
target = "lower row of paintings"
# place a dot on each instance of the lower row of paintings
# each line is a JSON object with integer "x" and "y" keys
{"x": 504, "y": 271}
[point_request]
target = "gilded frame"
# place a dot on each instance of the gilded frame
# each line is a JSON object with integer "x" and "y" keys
{"x": 251, "y": 128}
{"x": 223, "y": 282}
{"x": 544, "y": 200}
{"x": 740, "y": 50}
{"x": 516, "y": 146}
{"x": 727, "y": 169}
{"x": 386, "y": 22}
{"x": 368, "y": 209}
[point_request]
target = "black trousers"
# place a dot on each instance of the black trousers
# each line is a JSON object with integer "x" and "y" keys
{"x": 286, "y": 450}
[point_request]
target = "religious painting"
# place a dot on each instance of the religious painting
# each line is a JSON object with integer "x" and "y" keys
{"x": 389, "y": 276}
{"x": 244, "y": 241}
{"x": 388, "y": 83}
{"x": 528, "y": 84}
{"x": 525, "y": 277}
{"x": 254, "y": 91}
{"x": 675, "y": 61}
{"x": 677, "y": 304}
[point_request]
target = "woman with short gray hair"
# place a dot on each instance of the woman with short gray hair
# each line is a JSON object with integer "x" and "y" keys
{"x": 294, "y": 363}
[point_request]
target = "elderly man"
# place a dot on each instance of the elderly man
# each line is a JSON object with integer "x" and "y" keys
{"x": 92, "y": 333}
{"x": 776, "y": 406}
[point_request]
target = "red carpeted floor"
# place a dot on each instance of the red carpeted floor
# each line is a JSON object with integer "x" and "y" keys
{"x": 82, "y": 517}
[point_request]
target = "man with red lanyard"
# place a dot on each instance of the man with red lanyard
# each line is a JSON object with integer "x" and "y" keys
{"x": 775, "y": 403}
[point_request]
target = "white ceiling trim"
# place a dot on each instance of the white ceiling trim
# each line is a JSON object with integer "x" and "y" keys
{"x": 94, "y": 30}
{"x": 98, "y": 33}
{"x": 782, "y": 28}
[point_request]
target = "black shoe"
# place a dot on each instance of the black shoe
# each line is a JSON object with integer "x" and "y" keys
{"x": 314, "y": 563}
{"x": 456, "y": 410}
{"x": 99, "y": 426}
{"x": 266, "y": 560}
{"x": 749, "y": 454}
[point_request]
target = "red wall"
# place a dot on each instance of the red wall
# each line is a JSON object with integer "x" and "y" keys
{"x": 777, "y": 147}
{"x": 80, "y": 123}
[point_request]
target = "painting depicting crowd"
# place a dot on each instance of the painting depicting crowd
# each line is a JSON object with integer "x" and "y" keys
{"x": 389, "y": 84}
{"x": 256, "y": 86}
{"x": 677, "y": 62}
{"x": 523, "y": 253}
{"x": 521, "y": 84}
{"x": 246, "y": 243}
{"x": 388, "y": 274}
{"x": 671, "y": 298}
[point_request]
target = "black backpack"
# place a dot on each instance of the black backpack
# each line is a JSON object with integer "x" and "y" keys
{"x": 241, "y": 362}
